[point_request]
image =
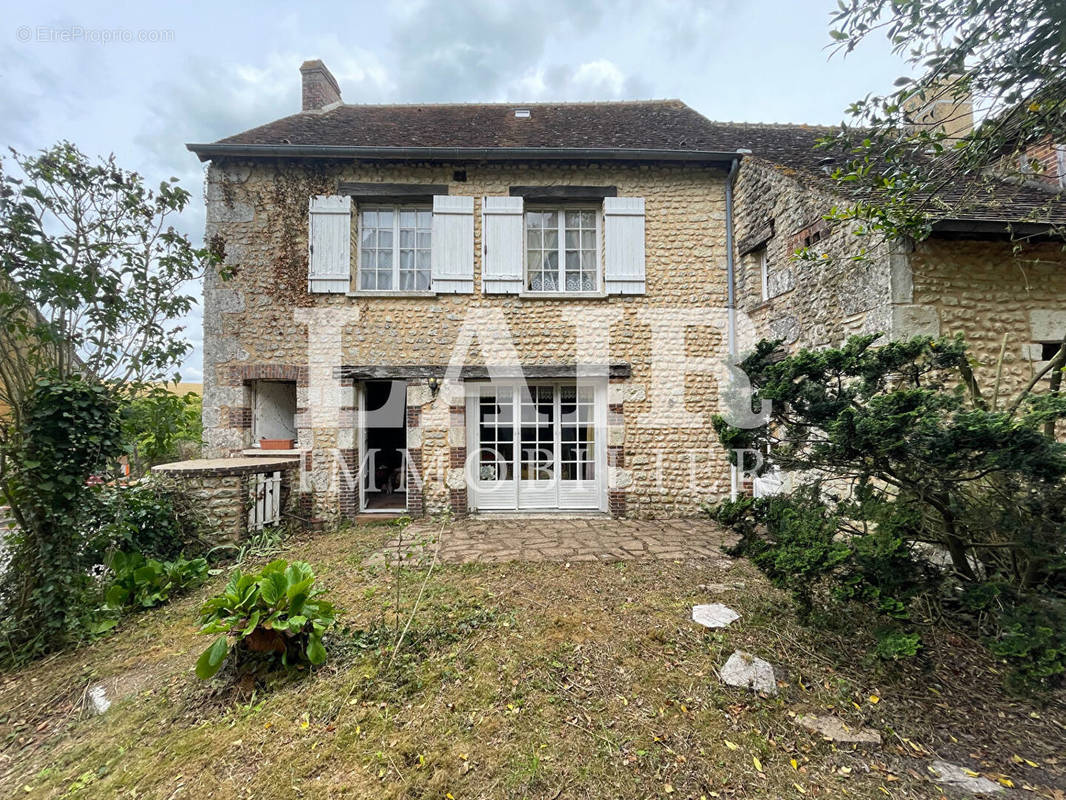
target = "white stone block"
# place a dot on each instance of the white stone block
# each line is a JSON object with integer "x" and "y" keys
{"x": 418, "y": 395}
{"x": 456, "y": 478}
{"x": 414, "y": 438}
{"x": 457, "y": 436}
{"x": 914, "y": 320}
{"x": 1047, "y": 324}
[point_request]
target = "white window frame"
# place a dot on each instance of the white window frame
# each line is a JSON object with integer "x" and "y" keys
{"x": 561, "y": 210}
{"x": 395, "y": 208}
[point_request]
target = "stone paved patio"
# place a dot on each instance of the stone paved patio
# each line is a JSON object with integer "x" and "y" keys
{"x": 543, "y": 538}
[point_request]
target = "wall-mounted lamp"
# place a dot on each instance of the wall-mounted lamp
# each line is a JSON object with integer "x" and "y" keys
{"x": 434, "y": 385}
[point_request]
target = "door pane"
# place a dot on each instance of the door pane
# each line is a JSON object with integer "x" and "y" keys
{"x": 577, "y": 454}
{"x": 496, "y": 435}
{"x": 537, "y": 445}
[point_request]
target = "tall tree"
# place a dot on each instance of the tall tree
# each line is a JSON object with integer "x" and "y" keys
{"x": 913, "y": 155}
{"x": 91, "y": 277}
{"x": 91, "y": 272}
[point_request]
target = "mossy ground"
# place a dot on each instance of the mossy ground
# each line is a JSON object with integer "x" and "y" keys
{"x": 545, "y": 680}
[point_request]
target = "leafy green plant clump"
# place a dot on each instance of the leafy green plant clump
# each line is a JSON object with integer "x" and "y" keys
{"x": 275, "y": 615}
{"x": 145, "y": 582}
{"x": 914, "y": 493}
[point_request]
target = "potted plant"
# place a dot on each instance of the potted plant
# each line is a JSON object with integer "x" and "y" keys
{"x": 275, "y": 444}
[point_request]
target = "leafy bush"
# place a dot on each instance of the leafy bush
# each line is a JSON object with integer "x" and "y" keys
{"x": 157, "y": 424}
{"x": 274, "y": 615}
{"x": 146, "y": 583}
{"x": 911, "y": 487}
{"x": 68, "y": 433}
{"x": 151, "y": 517}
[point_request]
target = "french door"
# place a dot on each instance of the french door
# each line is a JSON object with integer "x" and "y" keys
{"x": 537, "y": 446}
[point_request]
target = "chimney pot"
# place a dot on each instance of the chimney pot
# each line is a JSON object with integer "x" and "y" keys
{"x": 320, "y": 88}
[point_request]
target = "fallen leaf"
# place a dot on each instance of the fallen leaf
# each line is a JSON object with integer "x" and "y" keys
{"x": 730, "y": 745}
{"x": 757, "y": 763}
{"x": 874, "y": 699}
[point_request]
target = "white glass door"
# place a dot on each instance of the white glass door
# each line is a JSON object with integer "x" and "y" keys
{"x": 539, "y": 446}
{"x": 538, "y": 436}
{"x": 492, "y": 409}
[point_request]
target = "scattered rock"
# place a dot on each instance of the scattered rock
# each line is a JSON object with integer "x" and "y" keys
{"x": 748, "y": 672}
{"x": 720, "y": 588}
{"x": 958, "y": 778}
{"x": 96, "y": 699}
{"x": 714, "y": 615}
{"x": 837, "y": 730}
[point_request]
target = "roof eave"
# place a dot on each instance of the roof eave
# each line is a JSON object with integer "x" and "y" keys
{"x": 206, "y": 152}
{"x": 996, "y": 229}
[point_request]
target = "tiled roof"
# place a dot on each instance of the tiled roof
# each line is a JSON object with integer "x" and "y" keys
{"x": 654, "y": 125}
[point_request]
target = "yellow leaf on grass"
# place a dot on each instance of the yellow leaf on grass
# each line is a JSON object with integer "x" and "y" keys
{"x": 730, "y": 745}
{"x": 971, "y": 773}
{"x": 668, "y": 789}
{"x": 800, "y": 789}
{"x": 874, "y": 699}
{"x": 794, "y": 763}
{"x": 757, "y": 763}
{"x": 1006, "y": 782}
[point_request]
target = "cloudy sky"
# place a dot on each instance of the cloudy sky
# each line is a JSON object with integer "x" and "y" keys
{"x": 80, "y": 70}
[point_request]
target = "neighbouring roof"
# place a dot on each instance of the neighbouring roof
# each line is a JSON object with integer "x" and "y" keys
{"x": 638, "y": 130}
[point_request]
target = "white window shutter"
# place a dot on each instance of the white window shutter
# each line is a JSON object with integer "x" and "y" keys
{"x": 623, "y": 233}
{"x": 503, "y": 245}
{"x": 329, "y": 243}
{"x": 453, "y": 244}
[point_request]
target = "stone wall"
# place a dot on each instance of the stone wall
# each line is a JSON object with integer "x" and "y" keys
{"x": 257, "y": 214}
{"x": 991, "y": 290}
{"x": 821, "y": 298}
{"x": 222, "y": 491}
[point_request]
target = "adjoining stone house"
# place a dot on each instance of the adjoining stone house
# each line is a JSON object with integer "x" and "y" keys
{"x": 506, "y": 307}
{"x": 993, "y": 269}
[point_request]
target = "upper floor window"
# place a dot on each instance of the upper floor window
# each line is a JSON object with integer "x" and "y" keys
{"x": 562, "y": 250}
{"x": 395, "y": 248}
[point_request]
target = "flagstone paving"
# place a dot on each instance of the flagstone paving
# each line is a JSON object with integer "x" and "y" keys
{"x": 564, "y": 539}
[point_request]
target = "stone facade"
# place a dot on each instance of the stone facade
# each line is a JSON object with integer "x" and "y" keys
{"x": 842, "y": 284}
{"x": 1000, "y": 296}
{"x": 258, "y": 321}
{"x": 821, "y": 298}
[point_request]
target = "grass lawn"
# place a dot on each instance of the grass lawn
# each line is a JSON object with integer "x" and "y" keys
{"x": 545, "y": 680}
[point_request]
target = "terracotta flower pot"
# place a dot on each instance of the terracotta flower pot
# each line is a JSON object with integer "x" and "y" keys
{"x": 275, "y": 444}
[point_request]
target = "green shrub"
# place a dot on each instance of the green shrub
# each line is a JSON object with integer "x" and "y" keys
{"x": 149, "y": 517}
{"x": 146, "y": 583}
{"x": 68, "y": 434}
{"x": 157, "y": 423}
{"x": 916, "y": 496}
{"x": 275, "y": 615}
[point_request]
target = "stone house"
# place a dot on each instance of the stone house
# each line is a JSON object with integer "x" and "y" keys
{"x": 506, "y": 307}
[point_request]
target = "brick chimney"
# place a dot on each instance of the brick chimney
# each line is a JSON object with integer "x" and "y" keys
{"x": 320, "y": 88}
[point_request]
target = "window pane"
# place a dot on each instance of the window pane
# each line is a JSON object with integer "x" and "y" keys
{"x": 384, "y": 280}
{"x": 422, "y": 280}
{"x": 407, "y": 219}
{"x": 385, "y": 219}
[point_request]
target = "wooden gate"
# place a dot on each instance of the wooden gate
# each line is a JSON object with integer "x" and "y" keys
{"x": 266, "y": 501}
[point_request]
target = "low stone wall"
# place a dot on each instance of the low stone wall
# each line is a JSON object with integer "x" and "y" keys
{"x": 222, "y": 487}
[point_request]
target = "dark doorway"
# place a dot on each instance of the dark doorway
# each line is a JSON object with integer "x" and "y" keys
{"x": 384, "y": 446}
